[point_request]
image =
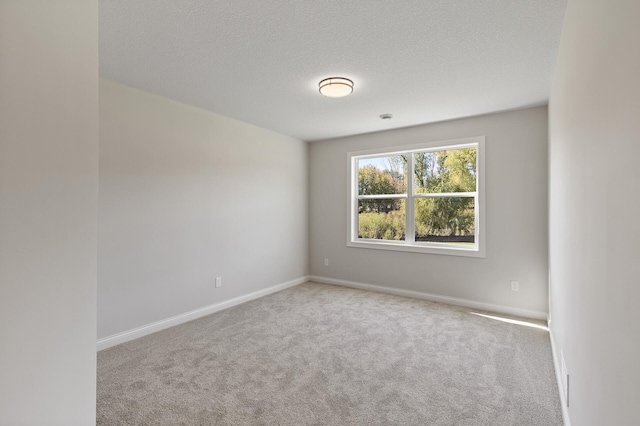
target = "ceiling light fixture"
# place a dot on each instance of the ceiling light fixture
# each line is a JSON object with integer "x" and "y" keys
{"x": 336, "y": 87}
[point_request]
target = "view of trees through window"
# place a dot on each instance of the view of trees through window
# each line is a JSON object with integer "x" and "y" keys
{"x": 443, "y": 196}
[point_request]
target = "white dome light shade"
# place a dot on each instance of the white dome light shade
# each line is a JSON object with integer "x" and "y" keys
{"x": 336, "y": 87}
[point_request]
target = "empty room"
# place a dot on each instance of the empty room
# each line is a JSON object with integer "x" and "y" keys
{"x": 319, "y": 213}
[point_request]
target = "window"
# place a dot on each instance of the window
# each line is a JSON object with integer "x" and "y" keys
{"x": 425, "y": 198}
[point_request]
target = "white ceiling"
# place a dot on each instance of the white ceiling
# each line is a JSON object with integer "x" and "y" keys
{"x": 260, "y": 61}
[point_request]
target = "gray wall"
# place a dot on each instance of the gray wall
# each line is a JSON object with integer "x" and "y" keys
{"x": 48, "y": 211}
{"x": 594, "y": 210}
{"x": 516, "y": 215}
{"x": 185, "y": 196}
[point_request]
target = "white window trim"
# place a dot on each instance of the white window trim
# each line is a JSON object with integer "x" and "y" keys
{"x": 477, "y": 250}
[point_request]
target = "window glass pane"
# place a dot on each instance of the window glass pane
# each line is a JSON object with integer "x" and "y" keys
{"x": 453, "y": 170}
{"x": 382, "y": 175}
{"x": 381, "y": 219}
{"x": 445, "y": 220}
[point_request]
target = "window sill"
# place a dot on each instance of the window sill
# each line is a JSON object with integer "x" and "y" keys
{"x": 432, "y": 248}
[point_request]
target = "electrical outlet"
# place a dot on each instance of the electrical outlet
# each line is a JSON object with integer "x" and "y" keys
{"x": 218, "y": 282}
{"x": 515, "y": 286}
{"x": 326, "y": 262}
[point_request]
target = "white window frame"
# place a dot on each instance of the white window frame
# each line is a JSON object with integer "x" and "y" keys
{"x": 410, "y": 245}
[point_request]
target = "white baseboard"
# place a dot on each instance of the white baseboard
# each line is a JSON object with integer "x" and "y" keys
{"x": 144, "y": 330}
{"x": 435, "y": 298}
{"x": 558, "y": 369}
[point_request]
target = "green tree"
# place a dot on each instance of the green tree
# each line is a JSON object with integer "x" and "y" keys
{"x": 460, "y": 165}
{"x": 445, "y": 171}
{"x": 373, "y": 181}
{"x": 397, "y": 167}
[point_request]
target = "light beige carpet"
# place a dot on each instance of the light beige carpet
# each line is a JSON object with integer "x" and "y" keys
{"x": 322, "y": 355}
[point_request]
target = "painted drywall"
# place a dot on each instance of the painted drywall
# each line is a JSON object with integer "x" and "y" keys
{"x": 516, "y": 215}
{"x": 48, "y": 211}
{"x": 594, "y": 138}
{"x": 186, "y": 196}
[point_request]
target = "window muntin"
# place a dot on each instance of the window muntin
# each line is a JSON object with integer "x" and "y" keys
{"x": 440, "y": 182}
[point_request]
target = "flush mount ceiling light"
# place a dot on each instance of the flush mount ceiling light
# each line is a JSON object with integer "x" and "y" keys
{"x": 336, "y": 87}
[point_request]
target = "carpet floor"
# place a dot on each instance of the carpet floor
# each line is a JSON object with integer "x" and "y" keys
{"x": 316, "y": 354}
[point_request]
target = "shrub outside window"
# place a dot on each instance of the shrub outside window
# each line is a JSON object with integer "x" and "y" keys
{"x": 424, "y": 198}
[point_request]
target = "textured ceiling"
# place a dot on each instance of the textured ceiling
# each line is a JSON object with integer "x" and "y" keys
{"x": 260, "y": 61}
